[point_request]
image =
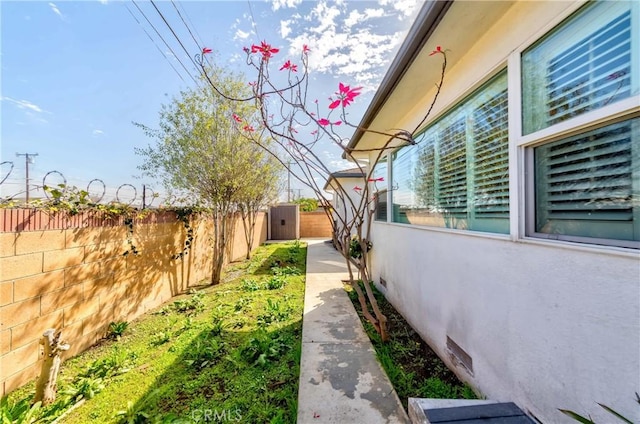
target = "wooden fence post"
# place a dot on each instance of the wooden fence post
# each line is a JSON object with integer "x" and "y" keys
{"x": 46, "y": 385}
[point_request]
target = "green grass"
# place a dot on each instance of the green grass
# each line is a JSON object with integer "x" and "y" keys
{"x": 229, "y": 351}
{"x": 412, "y": 366}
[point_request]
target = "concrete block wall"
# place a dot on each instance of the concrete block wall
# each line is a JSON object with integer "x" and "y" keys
{"x": 76, "y": 277}
{"x": 315, "y": 224}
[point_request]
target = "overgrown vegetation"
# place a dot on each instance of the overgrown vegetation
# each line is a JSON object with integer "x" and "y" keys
{"x": 614, "y": 414}
{"x": 413, "y": 368}
{"x": 223, "y": 349}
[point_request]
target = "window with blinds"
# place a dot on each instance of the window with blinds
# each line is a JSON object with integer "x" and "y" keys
{"x": 491, "y": 147}
{"x": 379, "y": 188}
{"x": 457, "y": 176}
{"x": 452, "y": 169}
{"x": 583, "y": 65}
{"x": 588, "y": 185}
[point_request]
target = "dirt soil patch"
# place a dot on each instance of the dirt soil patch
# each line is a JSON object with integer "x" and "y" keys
{"x": 414, "y": 369}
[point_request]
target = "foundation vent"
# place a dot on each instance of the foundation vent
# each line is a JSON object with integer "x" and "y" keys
{"x": 459, "y": 355}
{"x": 383, "y": 282}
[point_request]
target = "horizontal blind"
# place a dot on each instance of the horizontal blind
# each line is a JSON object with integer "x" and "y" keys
{"x": 592, "y": 73}
{"x": 587, "y": 177}
{"x": 426, "y": 179}
{"x": 452, "y": 169}
{"x": 491, "y": 148}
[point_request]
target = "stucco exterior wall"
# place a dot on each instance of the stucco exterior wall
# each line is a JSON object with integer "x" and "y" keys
{"x": 547, "y": 324}
{"x": 76, "y": 278}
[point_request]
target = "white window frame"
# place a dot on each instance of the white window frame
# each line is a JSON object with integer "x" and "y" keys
{"x": 522, "y": 200}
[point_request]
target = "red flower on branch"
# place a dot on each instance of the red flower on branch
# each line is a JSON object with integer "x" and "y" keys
{"x": 436, "y": 51}
{"x": 324, "y": 122}
{"x": 264, "y": 49}
{"x": 346, "y": 95}
{"x": 373, "y": 180}
{"x": 236, "y": 118}
{"x": 305, "y": 48}
{"x": 248, "y": 128}
{"x": 288, "y": 65}
{"x": 293, "y": 130}
{"x": 206, "y": 50}
{"x": 314, "y": 132}
{"x": 358, "y": 189}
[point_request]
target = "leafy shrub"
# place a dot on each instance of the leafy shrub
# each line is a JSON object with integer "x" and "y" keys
{"x": 262, "y": 348}
{"x": 240, "y": 304}
{"x": 83, "y": 388}
{"x": 307, "y": 204}
{"x": 249, "y": 285}
{"x": 274, "y": 312}
{"x": 205, "y": 352}
{"x": 285, "y": 271}
{"x": 117, "y": 329}
{"x": 118, "y": 362}
{"x": 355, "y": 249}
{"x": 584, "y": 420}
{"x": 218, "y": 326}
{"x": 274, "y": 283}
{"x": 160, "y": 338}
{"x": 195, "y": 303}
{"x": 20, "y": 412}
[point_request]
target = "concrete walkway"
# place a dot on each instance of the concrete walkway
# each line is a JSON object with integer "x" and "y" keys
{"x": 341, "y": 380}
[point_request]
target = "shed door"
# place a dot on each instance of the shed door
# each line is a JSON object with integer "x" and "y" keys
{"x": 284, "y": 222}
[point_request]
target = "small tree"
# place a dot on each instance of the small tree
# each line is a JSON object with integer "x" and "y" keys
{"x": 199, "y": 151}
{"x": 297, "y": 124}
{"x": 260, "y": 189}
{"x": 307, "y": 204}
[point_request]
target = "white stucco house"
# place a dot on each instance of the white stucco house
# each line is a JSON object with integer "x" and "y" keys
{"x": 352, "y": 181}
{"x": 512, "y": 233}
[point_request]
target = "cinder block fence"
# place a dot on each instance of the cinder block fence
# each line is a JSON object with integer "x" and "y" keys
{"x": 315, "y": 224}
{"x": 78, "y": 274}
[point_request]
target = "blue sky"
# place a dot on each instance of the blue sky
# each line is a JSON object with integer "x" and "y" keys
{"x": 76, "y": 74}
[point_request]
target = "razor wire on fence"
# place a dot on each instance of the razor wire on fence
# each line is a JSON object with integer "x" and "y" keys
{"x": 54, "y": 184}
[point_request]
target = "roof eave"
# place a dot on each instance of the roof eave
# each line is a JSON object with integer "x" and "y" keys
{"x": 426, "y": 22}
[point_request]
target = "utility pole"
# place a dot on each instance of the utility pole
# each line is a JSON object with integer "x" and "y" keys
{"x": 28, "y": 158}
{"x": 288, "y": 181}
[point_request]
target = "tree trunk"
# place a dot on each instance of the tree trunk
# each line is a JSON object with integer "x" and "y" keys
{"x": 46, "y": 385}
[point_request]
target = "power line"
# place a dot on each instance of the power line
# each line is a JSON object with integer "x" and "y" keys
{"x": 156, "y": 44}
{"x": 185, "y": 24}
{"x": 200, "y": 44}
{"x": 174, "y": 34}
{"x": 253, "y": 20}
{"x": 191, "y": 22}
{"x": 164, "y": 41}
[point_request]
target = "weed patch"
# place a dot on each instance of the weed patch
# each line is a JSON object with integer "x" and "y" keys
{"x": 412, "y": 366}
{"x": 234, "y": 347}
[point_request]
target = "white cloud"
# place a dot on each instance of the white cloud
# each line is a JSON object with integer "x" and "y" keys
{"x": 97, "y": 132}
{"x": 55, "y": 9}
{"x": 241, "y": 35}
{"x": 104, "y": 1}
{"x": 355, "y": 17}
{"x": 277, "y": 4}
{"x": 25, "y": 104}
{"x": 351, "y": 42}
{"x": 405, "y": 7}
{"x": 285, "y": 28}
